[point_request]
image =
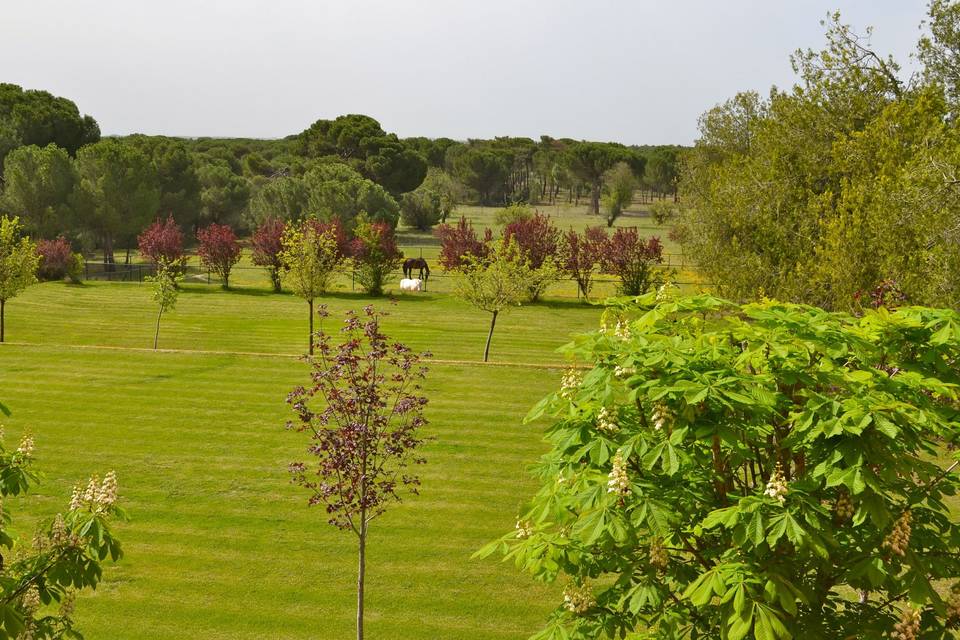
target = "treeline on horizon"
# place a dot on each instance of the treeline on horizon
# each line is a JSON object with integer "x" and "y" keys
{"x": 63, "y": 179}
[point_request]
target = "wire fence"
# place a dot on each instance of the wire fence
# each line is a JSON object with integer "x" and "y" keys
{"x": 681, "y": 270}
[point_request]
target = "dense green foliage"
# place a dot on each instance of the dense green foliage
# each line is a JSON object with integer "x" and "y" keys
{"x": 723, "y": 471}
{"x": 18, "y": 264}
{"x": 816, "y": 193}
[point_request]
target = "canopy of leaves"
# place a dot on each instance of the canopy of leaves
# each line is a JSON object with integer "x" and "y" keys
{"x": 375, "y": 255}
{"x": 726, "y": 471}
{"x": 40, "y": 118}
{"x": 817, "y": 193}
{"x": 38, "y": 187}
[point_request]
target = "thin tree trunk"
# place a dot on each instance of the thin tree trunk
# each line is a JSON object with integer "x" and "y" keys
{"x": 595, "y": 198}
{"x": 310, "y": 302}
{"x": 486, "y": 350}
{"x": 361, "y": 571}
{"x": 3, "y": 303}
{"x": 156, "y": 335}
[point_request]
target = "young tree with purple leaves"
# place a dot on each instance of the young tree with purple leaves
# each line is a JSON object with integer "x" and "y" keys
{"x": 363, "y": 412}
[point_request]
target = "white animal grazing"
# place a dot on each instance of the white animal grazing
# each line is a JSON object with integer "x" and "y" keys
{"x": 411, "y": 284}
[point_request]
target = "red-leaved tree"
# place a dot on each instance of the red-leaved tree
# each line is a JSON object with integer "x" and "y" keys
{"x": 581, "y": 254}
{"x": 162, "y": 244}
{"x": 535, "y": 237}
{"x": 362, "y": 411}
{"x": 219, "y": 250}
{"x": 632, "y": 259}
{"x": 335, "y": 229}
{"x": 57, "y": 260}
{"x": 460, "y": 241}
{"x": 267, "y": 243}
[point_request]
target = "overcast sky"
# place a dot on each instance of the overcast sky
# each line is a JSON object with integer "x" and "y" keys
{"x": 634, "y": 71}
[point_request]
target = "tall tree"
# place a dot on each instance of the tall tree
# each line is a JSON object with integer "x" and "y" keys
{"x": 38, "y": 185}
{"x": 334, "y": 190}
{"x": 223, "y": 196}
{"x": 483, "y": 170}
{"x": 18, "y": 264}
{"x": 40, "y": 118}
{"x": 589, "y": 161}
{"x": 117, "y": 193}
{"x": 219, "y": 250}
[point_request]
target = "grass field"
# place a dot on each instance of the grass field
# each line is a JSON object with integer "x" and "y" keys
{"x": 220, "y": 545}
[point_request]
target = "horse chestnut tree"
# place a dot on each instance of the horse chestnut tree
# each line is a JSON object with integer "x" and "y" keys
{"x": 765, "y": 470}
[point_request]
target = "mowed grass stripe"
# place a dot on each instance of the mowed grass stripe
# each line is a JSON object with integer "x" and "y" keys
{"x": 207, "y": 318}
{"x": 221, "y": 546}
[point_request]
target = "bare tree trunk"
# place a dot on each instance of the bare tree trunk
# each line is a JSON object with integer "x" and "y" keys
{"x": 361, "y": 571}
{"x": 156, "y": 335}
{"x": 486, "y": 350}
{"x": 310, "y": 302}
{"x": 595, "y": 197}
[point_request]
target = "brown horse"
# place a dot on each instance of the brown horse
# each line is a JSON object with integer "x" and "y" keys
{"x": 416, "y": 263}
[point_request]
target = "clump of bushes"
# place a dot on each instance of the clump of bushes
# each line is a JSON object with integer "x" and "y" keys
{"x": 58, "y": 261}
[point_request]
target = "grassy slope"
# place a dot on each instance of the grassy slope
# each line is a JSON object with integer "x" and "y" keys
{"x": 220, "y": 545}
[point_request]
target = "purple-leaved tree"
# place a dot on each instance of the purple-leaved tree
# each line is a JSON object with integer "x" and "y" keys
{"x": 363, "y": 412}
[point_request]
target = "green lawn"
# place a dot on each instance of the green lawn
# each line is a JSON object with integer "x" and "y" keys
{"x": 220, "y": 545}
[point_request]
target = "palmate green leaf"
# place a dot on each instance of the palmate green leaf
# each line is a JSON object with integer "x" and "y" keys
{"x": 728, "y": 517}
{"x": 755, "y": 529}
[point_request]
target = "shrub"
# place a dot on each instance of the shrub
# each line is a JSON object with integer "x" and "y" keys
{"x": 219, "y": 250}
{"x": 512, "y": 213}
{"x": 460, "y": 242}
{"x": 375, "y": 255}
{"x": 267, "y": 243}
{"x": 57, "y": 259}
{"x": 421, "y": 209}
{"x": 162, "y": 244}
{"x": 747, "y": 471}
{"x": 630, "y": 258}
{"x": 538, "y": 241}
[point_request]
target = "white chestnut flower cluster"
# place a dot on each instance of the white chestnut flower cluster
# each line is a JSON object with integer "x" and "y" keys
{"x": 578, "y": 600}
{"x": 663, "y": 293}
{"x": 622, "y": 329}
{"x": 623, "y": 372}
{"x": 570, "y": 383}
{"x": 909, "y": 626}
{"x": 606, "y": 421}
{"x": 524, "y": 529}
{"x": 26, "y": 447}
{"x": 96, "y": 496}
{"x": 777, "y": 485}
{"x": 899, "y": 539}
{"x": 618, "y": 481}
{"x": 661, "y": 416}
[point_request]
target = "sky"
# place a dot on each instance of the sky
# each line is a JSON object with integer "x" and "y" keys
{"x": 632, "y": 71}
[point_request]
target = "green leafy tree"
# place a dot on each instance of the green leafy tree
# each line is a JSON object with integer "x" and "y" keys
{"x": 421, "y": 209}
{"x": 396, "y": 167}
{"x": 765, "y": 471}
{"x": 64, "y": 557}
{"x": 223, "y": 196}
{"x": 375, "y": 255}
{"x": 38, "y": 186}
{"x": 826, "y": 190}
{"x": 939, "y": 48}
{"x": 483, "y": 170}
{"x": 494, "y": 282}
{"x": 334, "y": 190}
{"x": 284, "y": 198}
{"x": 19, "y": 261}
{"x": 311, "y": 256}
{"x": 589, "y": 161}
{"x": 165, "y": 292}
{"x": 620, "y": 185}
{"x": 40, "y": 118}
{"x": 117, "y": 193}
